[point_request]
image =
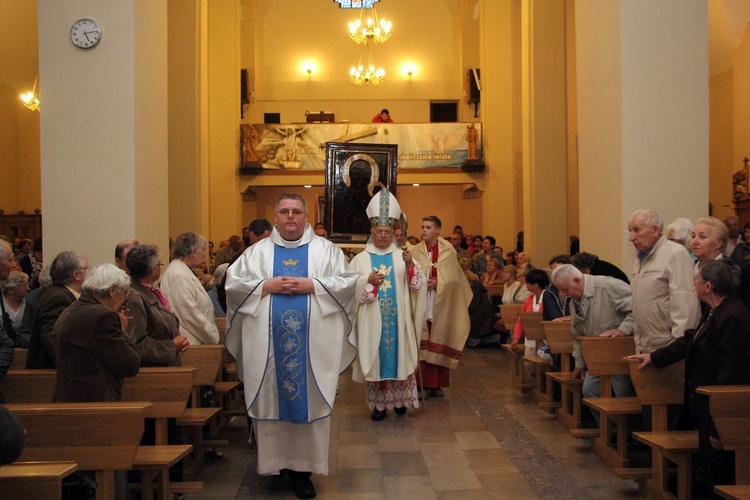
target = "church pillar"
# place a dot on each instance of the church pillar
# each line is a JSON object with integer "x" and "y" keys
{"x": 642, "y": 116}
{"x": 500, "y": 209}
{"x": 544, "y": 129}
{"x": 103, "y": 127}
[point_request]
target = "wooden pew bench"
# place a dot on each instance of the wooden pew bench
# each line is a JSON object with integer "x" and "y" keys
{"x": 734, "y": 492}
{"x": 730, "y": 412}
{"x": 560, "y": 342}
{"x": 509, "y": 315}
{"x": 102, "y": 437}
{"x": 206, "y": 359}
{"x": 34, "y": 479}
{"x": 657, "y": 389}
{"x": 533, "y": 330}
{"x": 604, "y": 358}
{"x": 167, "y": 389}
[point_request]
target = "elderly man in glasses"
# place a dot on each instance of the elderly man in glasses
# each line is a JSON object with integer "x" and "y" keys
{"x": 290, "y": 301}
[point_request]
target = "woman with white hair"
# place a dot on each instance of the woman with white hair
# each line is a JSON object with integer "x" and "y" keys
{"x": 680, "y": 231}
{"x": 708, "y": 240}
{"x": 14, "y": 290}
{"x": 94, "y": 354}
{"x": 185, "y": 292}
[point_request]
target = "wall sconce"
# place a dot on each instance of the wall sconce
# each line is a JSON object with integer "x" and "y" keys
{"x": 409, "y": 70}
{"x": 308, "y": 68}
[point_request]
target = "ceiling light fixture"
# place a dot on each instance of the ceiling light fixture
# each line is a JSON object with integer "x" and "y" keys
{"x": 30, "y": 100}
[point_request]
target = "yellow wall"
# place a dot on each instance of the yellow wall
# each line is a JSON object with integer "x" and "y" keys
{"x": 723, "y": 163}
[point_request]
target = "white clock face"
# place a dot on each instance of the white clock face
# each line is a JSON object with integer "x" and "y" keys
{"x": 85, "y": 33}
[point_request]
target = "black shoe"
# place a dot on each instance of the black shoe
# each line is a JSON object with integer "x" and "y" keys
{"x": 301, "y": 484}
{"x": 400, "y": 411}
{"x": 378, "y": 415}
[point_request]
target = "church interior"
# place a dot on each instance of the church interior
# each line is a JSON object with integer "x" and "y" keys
{"x": 588, "y": 111}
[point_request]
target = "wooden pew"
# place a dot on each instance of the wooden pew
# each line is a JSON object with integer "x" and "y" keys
{"x": 19, "y": 359}
{"x": 34, "y": 479}
{"x": 167, "y": 389}
{"x": 659, "y": 388}
{"x": 733, "y": 492}
{"x": 604, "y": 358}
{"x": 102, "y": 437}
{"x": 730, "y": 412}
{"x": 206, "y": 359}
{"x": 533, "y": 330}
{"x": 560, "y": 342}
{"x": 29, "y": 386}
{"x": 509, "y": 315}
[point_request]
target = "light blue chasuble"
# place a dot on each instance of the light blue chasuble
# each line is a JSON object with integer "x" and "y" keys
{"x": 289, "y": 324}
{"x": 387, "y": 299}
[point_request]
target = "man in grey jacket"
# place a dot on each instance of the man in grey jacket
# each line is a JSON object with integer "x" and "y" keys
{"x": 6, "y": 343}
{"x": 601, "y": 306}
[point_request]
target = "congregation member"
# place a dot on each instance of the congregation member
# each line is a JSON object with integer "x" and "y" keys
{"x": 68, "y": 272}
{"x": 487, "y": 252}
{"x": 555, "y": 304}
{"x": 680, "y": 231}
{"x": 31, "y": 263}
{"x": 290, "y": 302}
{"x": 23, "y": 334}
{"x": 457, "y": 240}
{"x": 94, "y": 354}
{"x": 513, "y": 290}
{"x": 153, "y": 327}
{"x": 398, "y": 234}
{"x": 229, "y": 252}
{"x": 742, "y": 251}
{"x": 446, "y": 326}
{"x": 494, "y": 274}
{"x": 734, "y": 236}
{"x": 7, "y": 350}
{"x": 391, "y": 295}
{"x": 320, "y": 230}
{"x": 663, "y": 296}
{"x": 185, "y": 293}
{"x": 536, "y": 283}
{"x": 601, "y": 307}
{"x": 245, "y": 237}
{"x": 588, "y": 263}
{"x": 121, "y": 253}
{"x": 14, "y": 291}
{"x": 476, "y": 245}
{"x": 708, "y": 240}
{"x": 259, "y": 229}
{"x": 715, "y": 353}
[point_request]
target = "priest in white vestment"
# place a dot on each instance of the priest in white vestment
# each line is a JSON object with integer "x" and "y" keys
{"x": 290, "y": 300}
{"x": 391, "y": 293}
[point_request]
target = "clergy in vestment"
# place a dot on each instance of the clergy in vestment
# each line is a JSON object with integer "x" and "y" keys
{"x": 391, "y": 292}
{"x": 290, "y": 300}
{"x": 447, "y": 321}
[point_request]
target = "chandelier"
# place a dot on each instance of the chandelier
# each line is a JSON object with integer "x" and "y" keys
{"x": 363, "y": 75}
{"x": 29, "y": 98}
{"x": 371, "y": 29}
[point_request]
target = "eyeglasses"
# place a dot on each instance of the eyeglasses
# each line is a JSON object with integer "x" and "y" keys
{"x": 383, "y": 232}
{"x": 285, "y": 212}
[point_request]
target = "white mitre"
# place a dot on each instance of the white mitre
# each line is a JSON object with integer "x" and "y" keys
{"x": 383, "y": 209}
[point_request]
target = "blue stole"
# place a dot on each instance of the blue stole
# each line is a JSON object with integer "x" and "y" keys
{"x": 387, "y": 299}
{"x": 289, "y": 329}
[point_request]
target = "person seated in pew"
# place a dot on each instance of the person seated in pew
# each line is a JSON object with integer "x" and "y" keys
{"x": 14, "y": 291}
{"x": 716, "y": 352}
{"x": 153, "y": 327}
{"x": 6, "y": 343}
{"x": 536, "y": 283}
{"x": 554, "y": 304}
{"x": 94, "y": 354}
{"x": 23, "y": 334}
{"x": 601, "y": 306}
{"x": 513, "y": 292}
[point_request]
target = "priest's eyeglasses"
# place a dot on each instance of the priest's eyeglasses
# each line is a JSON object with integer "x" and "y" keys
{"x": 285, "y": 212}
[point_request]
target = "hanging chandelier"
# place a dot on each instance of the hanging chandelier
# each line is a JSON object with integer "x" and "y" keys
{"x": 29, "y": 98}
{"x": 371, "y": 28}
{"x": 363, "y": 75}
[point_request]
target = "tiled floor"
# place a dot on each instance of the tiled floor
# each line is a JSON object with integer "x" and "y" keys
{"x": 482, "y": 440}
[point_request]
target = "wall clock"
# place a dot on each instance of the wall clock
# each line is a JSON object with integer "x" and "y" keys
{"x": 86, "y": 33}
